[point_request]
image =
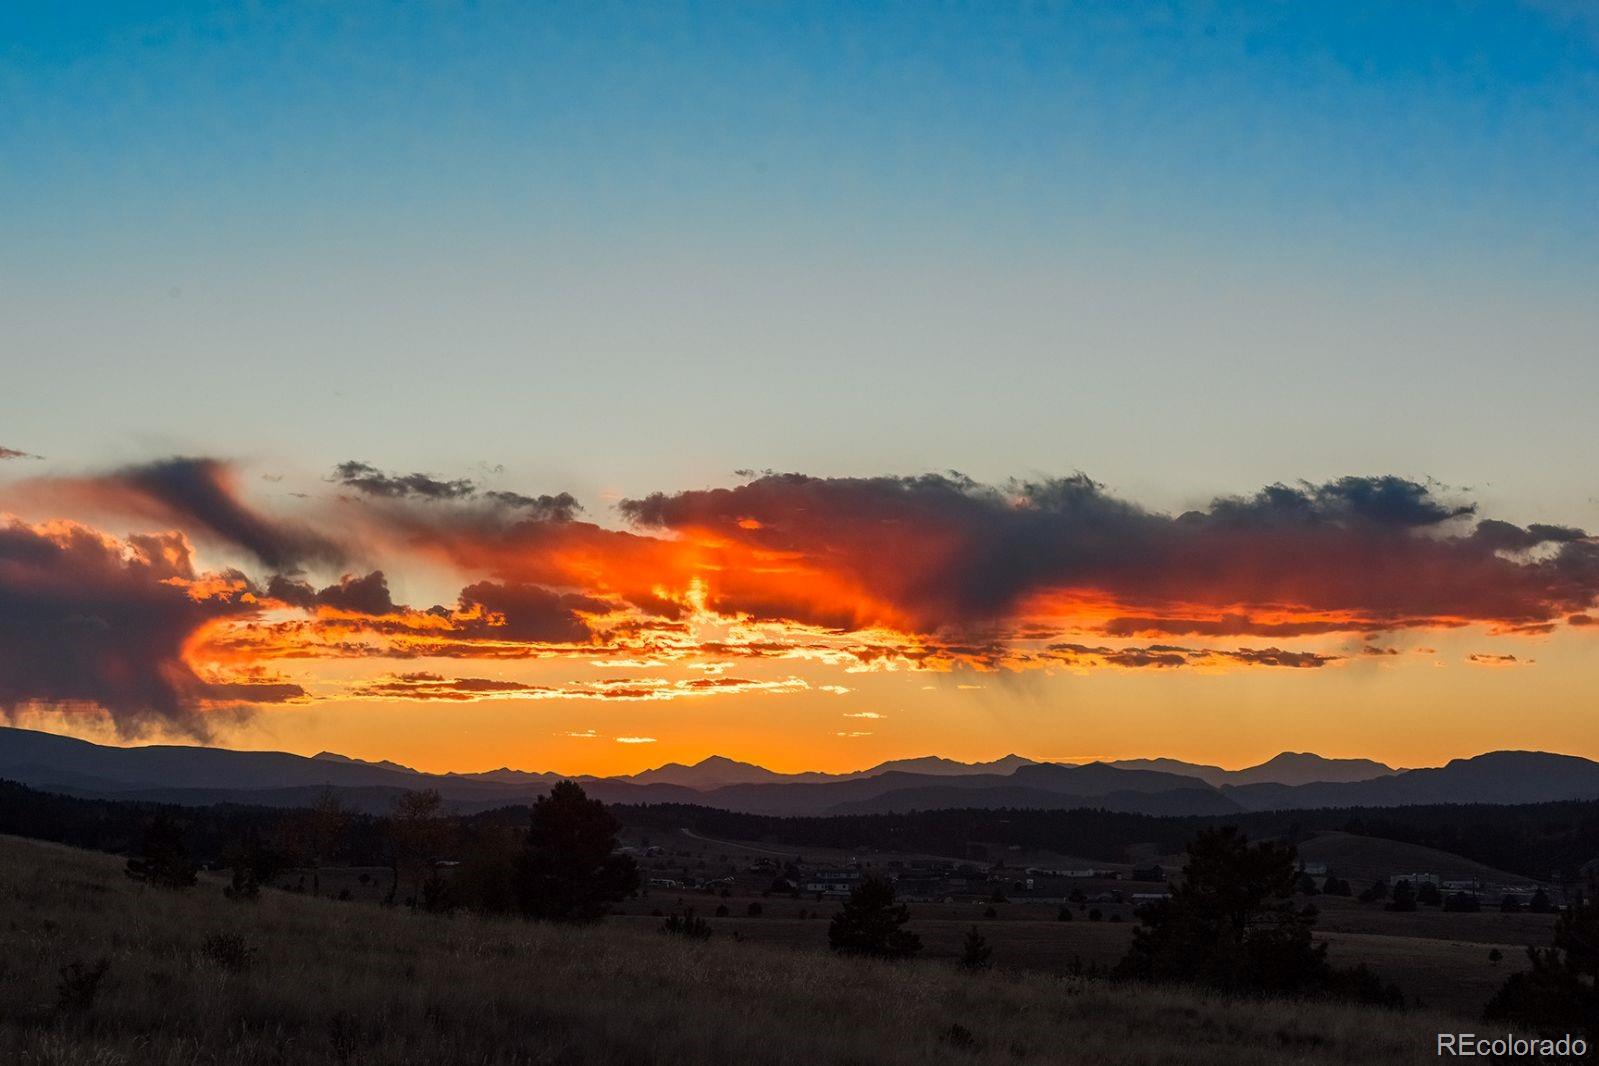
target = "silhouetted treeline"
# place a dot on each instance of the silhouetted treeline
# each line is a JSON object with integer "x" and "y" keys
{"x": 1544, "y": 840}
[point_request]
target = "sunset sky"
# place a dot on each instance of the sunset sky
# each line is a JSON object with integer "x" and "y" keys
{"x": 586, "y": 387}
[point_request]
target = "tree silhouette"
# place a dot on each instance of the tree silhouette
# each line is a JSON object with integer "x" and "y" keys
{"x": 416, "y": 833}
{"x": 1232, "y": 922}
{"x": 163, "y": 860}
{"x": 975, "y": 951}
{"x": 569, "y": 870}
{"x": 1403, "y": 897}
{"x": 1561, "y": 991}
{"x": 871, "y": 923}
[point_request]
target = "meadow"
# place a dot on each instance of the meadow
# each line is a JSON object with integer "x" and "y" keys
{"x": 192, "y": 977}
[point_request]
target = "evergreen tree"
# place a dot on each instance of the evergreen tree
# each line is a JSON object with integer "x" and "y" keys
{"x": 871, "y": 923}
{"x": 1232, "y": 922}
{"x": 1560, "y": 993}
{"x": 1404, "y": 897}
{"x": 569, "y": 870}
{"x": 975, "y": 951}
{"x": 163, "y": 859}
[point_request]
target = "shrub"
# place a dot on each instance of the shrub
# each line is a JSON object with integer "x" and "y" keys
{"x": 80, "y": 984}
{"x": 754, "y": 909}
{"x": 975, "y": 952}
{"x": 1064, "y": 914}
{"x": 229, "y": 951}
{"x": 688, "y": 925}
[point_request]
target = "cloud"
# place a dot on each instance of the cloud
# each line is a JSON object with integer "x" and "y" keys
{"x": 431, "y": 686}
{"x": 1168, "y": 655}
{"x": 635, "y": 740}
{"x": 584, "y": 734}
{"x": 940, "y": 553}
{"x": 525, "y": 612}
{"x": 12, "y": 453}
{"x": 1490, "y": 659}
{"x": 367, "y": 595}
{"x": 865, "y": 714}
{"x": 370, "y": 481}
{"x": 855, "y": 733}
{"x": 87, "y": 621}
{"x": 198, "y": 496}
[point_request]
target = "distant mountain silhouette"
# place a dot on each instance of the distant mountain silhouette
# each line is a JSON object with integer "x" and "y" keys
{"x": 1497, "y": 777}
{"x": 197, "y": 775}
{"x": 1288, "y": 768}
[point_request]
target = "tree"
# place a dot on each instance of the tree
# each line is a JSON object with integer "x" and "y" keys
{"x": 252, "y": 865}
{"x": 1560, "y": 993}
{"x": 163, "y": 860}
{"x": 1539, "y": 904}
{"x": 871, "y": 923}
{"x": 1377, "y": 892}
{"x": 1232, "y": 923}
{"x": 975, "y": 951}
{"x": 416, "y": 833}
{"x": 1403, "y": 897}
{"x": 1428, "y": 893}
{"x": 569, "y": 870}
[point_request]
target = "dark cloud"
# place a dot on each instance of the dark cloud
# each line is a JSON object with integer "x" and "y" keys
{"x": 1503, "y": 536}
{"x": 522, "y": 612}
{"x": 368, "y": 594}
{"x": 1490, "y": 659}
{"x": 92, "y": 622}
{"x": 368, "y": 479}
{"x": 12, "y": 453}
{"x": 1168, "y": 655}
{"x": 939, "y": 551}
{"x": 198, "y": 496}
{"x": 364, "y": 477}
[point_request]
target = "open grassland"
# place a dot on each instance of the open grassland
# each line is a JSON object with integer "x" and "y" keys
{"x": 313, "y": 980}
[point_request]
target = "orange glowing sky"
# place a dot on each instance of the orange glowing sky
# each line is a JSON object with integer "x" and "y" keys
{"x": 800, "y": 622}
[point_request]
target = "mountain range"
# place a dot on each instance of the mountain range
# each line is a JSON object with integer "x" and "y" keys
{"x": 202, "y": 775}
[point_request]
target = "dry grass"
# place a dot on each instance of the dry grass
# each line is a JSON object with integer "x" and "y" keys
{"x": 321, "y": 981}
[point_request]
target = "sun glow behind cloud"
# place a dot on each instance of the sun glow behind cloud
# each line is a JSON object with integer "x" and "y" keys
{"x": 779, "y": 587}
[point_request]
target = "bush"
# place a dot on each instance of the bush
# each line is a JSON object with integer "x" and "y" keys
{"x": 975, "y": 952}
{"x": 229, "y": 951}
{"x": 1064, "y": 914}
{"x": 754, "y": 909}
{"x": 688, "y": 925}
{"x": 80, "y": 984}
{"x": 721, "y": 910}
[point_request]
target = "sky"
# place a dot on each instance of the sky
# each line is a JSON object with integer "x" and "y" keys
{"x": 813, "y": 384}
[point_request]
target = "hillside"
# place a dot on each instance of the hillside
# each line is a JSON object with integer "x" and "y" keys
{"x": 1363, "y": 859}
{"x": 325, "y": 982}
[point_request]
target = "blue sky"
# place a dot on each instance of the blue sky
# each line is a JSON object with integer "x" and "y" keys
{"x": 1188, "y": 249}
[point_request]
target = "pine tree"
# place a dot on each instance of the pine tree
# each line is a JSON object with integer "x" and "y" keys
{"x": 1561, "y": 991}
{"x": 569, "y": 871}
{"x": 975, "y": 951}
{"x": 163, "y": 860}
{"x": 871, "y": 923}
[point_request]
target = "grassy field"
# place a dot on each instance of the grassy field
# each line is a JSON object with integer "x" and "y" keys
{"x": 314, "y": 980}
